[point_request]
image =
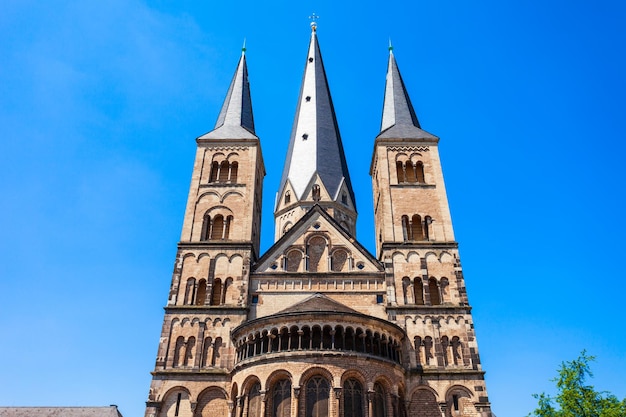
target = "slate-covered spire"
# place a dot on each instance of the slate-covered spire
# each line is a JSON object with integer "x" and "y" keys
{"x": 399, "y": 119}
{"x": 236, "y": 120}
{"x": 315, "y": 146}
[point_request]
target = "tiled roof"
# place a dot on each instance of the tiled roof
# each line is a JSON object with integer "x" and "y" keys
{"x": 315, "y": 144}
{"x": 110, "y": 411}
{"x": 236, "y": 120}
{"x": 399, "y": 118}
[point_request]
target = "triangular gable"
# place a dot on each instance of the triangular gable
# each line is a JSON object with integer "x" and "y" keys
{"x": 316, "y": 303}
{"x": 317, "y": 223}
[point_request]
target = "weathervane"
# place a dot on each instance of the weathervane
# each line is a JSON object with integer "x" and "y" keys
{"x": 313, "y": 19}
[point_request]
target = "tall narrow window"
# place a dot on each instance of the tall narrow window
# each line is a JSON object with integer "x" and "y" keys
{"x": 234, "y": 167}
{"x": 433, "y": 288}
{"x": 315, "y": 251}
{"x": 217, "y": 227}
{"x": 379, "y": 401}
{"x": 317, "y": 393}
{"x": 178, "y": 351}
{"x": 215, "y": 169}
{"x": 254, "y": 401}
{"x": 223, "y": 172}
{"x": 287, "y": 197}
{"x": 400, "y": 172}
{"x": 216, "y": 295}
{"x": 281, "y": 399}
{"x": 410, "y": 172}
{"x": 406, "y": 229}
{"x": 352, "y": 398}
{"x": 207, "y": 352}
{"x": 417, "y": 232}
{"x": 190, "y": 347}
{"x": 419, "y": 172}
{"x": 190, "y": 291}
{"x": 229, "y": 221}
{"x": 206, "y": 227}
{"x": 215, "y": 359}
{"x": 418, "y": 291}
{"x": 201, "y": 294}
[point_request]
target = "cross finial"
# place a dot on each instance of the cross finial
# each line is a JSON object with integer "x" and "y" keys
{"x": 313, "y": 18}
{"x": 243, "y": 48}
{"x": 390, "y": 45}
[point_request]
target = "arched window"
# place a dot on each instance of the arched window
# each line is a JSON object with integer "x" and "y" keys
{"x": 400, "y": 172}
{"x": 190, "y": 291}
{"x": 287, "y": 197}
{"x": 406, "y": 290}
{"x": 315, "y": 251}
{"x": 339, "y": 260}
{"x": 215, "y": 169}
{"x": 189, "y": 350}
{"x": 353, "y": 398}
{"x": 317, "y": 393}
{"x": 216, "y": 294}
{"x": 427, "y": 222}
{"x": 254, "y": 401}
{"x": 207, "y": 352}
{"x": 433, "y": 289}
{"x": 206, "y": 227}
{"x": 294, "y": 258}
{"x": 178, "y": 352}
{"x": 215, "y": 358}
{"x": 201, "y": 295}
{"x": 229, "y": 221}
{"x": 410, "y": 172}
{"x": 217, "y": 227}
{"x": 223, "y": 172}
{"x": 418, "y": 291}
{"x": 428, "y": 350}
{"x": 228, "y": 287}
{"x": 419, "y": 172}
{"x": 406, "y": 229}
{"x": 281, "y": 398}
{"x": 445, "y": 344}
{"x": 457, "y": 351}
{"x": 379, "y": 405}
{"x": 234, "y": 168}
{"x": 417, "y": 232}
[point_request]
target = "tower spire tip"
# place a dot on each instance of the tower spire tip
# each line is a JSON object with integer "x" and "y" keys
{"x": 313, "y": 19}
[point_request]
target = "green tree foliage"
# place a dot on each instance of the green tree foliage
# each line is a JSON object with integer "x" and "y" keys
{"x": 575, "y": 398}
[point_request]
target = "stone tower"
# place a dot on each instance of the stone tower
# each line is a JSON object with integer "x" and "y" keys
{"x": 317, "y": 326}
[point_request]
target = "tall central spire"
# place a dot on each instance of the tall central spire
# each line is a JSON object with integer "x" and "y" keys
{"x": 315, "y": 156}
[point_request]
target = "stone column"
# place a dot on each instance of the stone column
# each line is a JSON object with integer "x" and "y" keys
{"x": 296, "y": 402}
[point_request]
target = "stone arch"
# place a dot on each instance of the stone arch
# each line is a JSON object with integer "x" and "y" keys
{"x": 293, "y": 260}
{"x": 315, "y": 370}
{"x": 423, "y": 402}
{"x": 339, "y": 260}
{"x": 458, "y": 400}
{"x": 213, "y": 401}
{"x": 176, "y": 402}
{"x": 278, "y": 403}
{"x": 316, "y": 252}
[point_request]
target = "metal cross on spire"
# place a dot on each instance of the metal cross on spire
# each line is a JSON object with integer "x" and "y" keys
{"x": 313, "y": 18}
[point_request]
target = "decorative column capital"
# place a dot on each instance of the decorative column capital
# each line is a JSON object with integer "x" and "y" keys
{"x": 263, "y": 396}
{"x": 337, "y": 391}
{"x": 296, "y": 391}
{"x": 193, "y": 405}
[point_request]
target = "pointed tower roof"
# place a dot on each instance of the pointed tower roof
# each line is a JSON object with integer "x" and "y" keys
{"x": 399, "y": 118}
{"x": 235, "y": 120}
{"x": 315, "y": 144}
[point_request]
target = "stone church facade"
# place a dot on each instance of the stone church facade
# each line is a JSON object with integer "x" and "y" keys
{"x": 317, "y": 326}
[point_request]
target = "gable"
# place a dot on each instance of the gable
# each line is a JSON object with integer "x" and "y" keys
{"x": 317, "y": 244}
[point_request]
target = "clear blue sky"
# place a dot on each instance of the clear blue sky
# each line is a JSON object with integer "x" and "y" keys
{"x": 100, "y": 103}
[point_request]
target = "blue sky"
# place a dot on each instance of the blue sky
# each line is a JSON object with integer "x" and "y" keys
{"x": 100, "y": 103}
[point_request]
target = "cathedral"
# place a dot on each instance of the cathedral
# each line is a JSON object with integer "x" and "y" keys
{"x": 317, "y": 326}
